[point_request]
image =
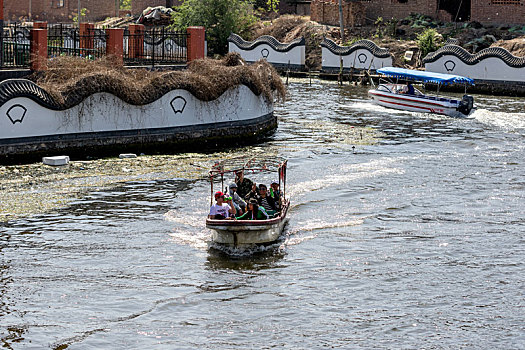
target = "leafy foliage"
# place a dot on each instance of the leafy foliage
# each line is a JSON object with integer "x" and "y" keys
{"x": 428, "y": 41}
{"x": 83, "y": 12}
{"x": 125, "y": 4}
{"x": 272, "y": 5}
{"x": 219, "y": 17}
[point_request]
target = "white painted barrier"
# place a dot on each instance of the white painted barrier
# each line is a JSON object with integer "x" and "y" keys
{"x": 492, "y": 64}
{"x": 363, "y": 54}
{"x": 290, "y": 55}
{"x": 26, "y": 120}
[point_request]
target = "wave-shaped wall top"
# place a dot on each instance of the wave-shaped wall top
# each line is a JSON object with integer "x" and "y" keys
{"x": 265, "y": 39}
{"x": 472, "y": 59}
{"x": 361, "y": 44}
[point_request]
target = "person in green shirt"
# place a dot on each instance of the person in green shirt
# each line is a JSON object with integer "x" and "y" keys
{"x": 254, "y": 212}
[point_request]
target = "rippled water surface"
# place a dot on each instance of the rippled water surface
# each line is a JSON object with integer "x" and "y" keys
{"x": 406, "y": 231}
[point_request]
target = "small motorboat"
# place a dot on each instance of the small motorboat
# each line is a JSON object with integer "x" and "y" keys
{"x": 249, "y": 233}
{"x": 407, "y": 98}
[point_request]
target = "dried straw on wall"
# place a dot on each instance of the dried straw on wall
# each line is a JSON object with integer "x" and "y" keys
{"x": 70, "y": 80}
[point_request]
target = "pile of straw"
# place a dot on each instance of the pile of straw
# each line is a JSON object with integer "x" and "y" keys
{"x": 70, "y": 80}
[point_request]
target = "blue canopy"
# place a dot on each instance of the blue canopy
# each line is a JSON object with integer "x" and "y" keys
{"x": 426, "y": 77}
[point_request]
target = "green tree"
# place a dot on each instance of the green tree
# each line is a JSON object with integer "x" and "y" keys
{"x": 428, "y": 41}
{"x": 219, "y": 17}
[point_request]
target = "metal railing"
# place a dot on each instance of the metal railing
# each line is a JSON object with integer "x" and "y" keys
{"x": 71, "y": 43}
{"x": 15, "y": 46}
{"x": 155, "y": 46}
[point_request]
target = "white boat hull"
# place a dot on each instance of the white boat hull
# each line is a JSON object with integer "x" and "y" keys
{"x": 247, "y": 233}
{"x": 417, "y": 103}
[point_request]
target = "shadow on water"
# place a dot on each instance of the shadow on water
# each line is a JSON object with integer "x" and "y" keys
{"x": 262, "y": 259}
{"x": 258, "y": 258}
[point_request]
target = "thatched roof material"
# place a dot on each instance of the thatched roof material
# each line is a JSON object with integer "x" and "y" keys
{"x": 70, "y": 80}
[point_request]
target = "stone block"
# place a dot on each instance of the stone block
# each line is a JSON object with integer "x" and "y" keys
{"x": 127, "y": 155}
{"x": 55, "y": 161}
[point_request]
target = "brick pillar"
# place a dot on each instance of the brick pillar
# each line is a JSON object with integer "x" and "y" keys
{"x": 38, "y": 48}
{"x": 86, "y": 32}
{"x": 115, "y": 45}
{"x": 39, "y": 25}
{"x": 136, "y": 41}
{"x": 196, "y": 41}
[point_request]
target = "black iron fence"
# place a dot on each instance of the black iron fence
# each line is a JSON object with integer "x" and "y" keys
{"x": 15, "y": 46}
{"x": 70, "y": 42}
{"x": 155, "y": 46}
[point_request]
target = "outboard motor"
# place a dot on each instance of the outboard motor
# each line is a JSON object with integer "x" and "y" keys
{"x": 466, "y": 104}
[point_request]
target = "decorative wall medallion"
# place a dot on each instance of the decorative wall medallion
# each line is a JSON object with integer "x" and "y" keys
{"x": 265, "y": 53}
{"x": 178, "y": 104}
{"x": 362, "y": 58}
{"x": 16, "y": 113}
{"x": 450, "y": 65}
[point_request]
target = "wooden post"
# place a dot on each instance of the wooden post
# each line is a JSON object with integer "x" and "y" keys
{"x": 115, "y": 45}
{"x": 38, "y": 48}
{"x": 195, "y": 42}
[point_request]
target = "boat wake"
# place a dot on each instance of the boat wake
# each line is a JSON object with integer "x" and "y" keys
{"x": 501, "y": 120}
{"x": 372, "y": 107}
{"x": 189, "y": 229}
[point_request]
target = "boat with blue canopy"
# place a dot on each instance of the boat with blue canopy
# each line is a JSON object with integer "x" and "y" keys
{"x": 406, "y": 97}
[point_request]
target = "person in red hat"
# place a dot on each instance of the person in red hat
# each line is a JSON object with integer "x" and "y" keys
{"x": 222, "y": 210}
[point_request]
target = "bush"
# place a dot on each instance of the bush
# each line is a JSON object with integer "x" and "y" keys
{"x": 219, "y": 17}
{"x": 429, "y": 41}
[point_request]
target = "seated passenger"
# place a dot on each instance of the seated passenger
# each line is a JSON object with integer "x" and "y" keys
{"x": 267, "y": 202}
{"x": 275, "y": 193}
{"x": 254, "y": 212}
{"x": 238, "y": 202}
{"x": 264, "y": 200}
{"x": 222, "y": 210}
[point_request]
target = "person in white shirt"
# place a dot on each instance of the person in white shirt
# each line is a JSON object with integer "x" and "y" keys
{"x": 222, "y": 210}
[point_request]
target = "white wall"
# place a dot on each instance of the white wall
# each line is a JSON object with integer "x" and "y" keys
{"x": 491, "y": 68}
{"x": 105, "y": 112}
{"x": 295, "y": 56}
{"x": 359, "y": 59}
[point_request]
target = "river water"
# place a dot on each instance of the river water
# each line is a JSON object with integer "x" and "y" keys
{"x": 406, "y": 231}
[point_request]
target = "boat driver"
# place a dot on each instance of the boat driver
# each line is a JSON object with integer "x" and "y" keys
{"x": 244, "y": 185}
{"x": 407, "y": 89}
{"x": 222, "y": 210}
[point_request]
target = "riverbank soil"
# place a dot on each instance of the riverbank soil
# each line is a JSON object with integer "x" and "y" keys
{"x": 398, "y": 36}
